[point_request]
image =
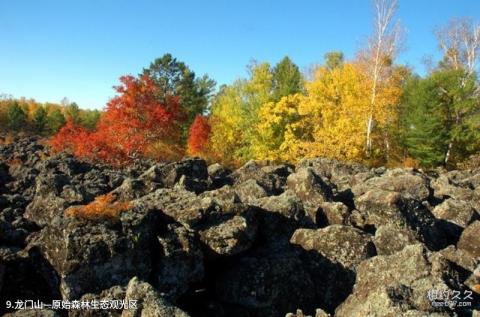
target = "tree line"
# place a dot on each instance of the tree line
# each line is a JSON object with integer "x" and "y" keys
{"x": 367, "y": 109}
{"x": 45, "y": 119}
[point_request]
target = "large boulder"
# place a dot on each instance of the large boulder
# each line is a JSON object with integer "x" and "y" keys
{"x": 190, "y": 174}
{"x": 345, "y": 245}
{"x": 180, "y": 263}
{"x": 398, "y": 284}
{"x": 62, "y": 182}
{"x": 287, "y": 205}
{"x": 47, "y": 203}
{"x": 179, "y": 205}
{"x": 92, "y": 255}
{"x": 219, "y": 176}
{"x": 226, "y": 196}
{"x": 249, "y": 191}
{"x": 333, "y": 213}
{"x": 391, "y": 238}
{"x": 470, "y": 239}
{"x": 412, "y": 186}
{"x": 272, "y": 178}
{"x": 458, "y": 212}
{"x": 378, "y": 207}
{"x": 231, "y": 233}
{"x": 338, "y": 174}
{"x": 446, "y": 186}
{"x": 310, "y": 188}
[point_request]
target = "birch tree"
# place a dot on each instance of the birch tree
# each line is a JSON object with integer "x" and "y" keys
{"x": 378, "y": 58}
{"x": 460, "y": 44}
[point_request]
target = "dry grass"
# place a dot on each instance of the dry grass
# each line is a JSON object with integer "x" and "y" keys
{"x": 103, "y": 207}
{"x": 410, "y": 162}
{"x": 6, "y": 139}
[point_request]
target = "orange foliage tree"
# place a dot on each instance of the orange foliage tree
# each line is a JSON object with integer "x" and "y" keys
{"x": 199, "y": 133}
{"x": 72, "y": 138}
{"x": 134, "y": 124}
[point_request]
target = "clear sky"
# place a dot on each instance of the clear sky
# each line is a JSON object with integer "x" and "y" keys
{"x": 78, "y": 48}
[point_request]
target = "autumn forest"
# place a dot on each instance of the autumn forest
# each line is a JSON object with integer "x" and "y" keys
{"x": 367, "y": 109}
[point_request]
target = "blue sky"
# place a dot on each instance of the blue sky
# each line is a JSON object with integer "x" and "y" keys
{"x": 56, "y": 48}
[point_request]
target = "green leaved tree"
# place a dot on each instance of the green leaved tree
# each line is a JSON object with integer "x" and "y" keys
{"x": 287, "y": 79}
{"x": 440, "y": 117}
{"x": 39, "y": 120}
{"x": 55, "y": 120}
{"x": 16, "y": 117}
{"x": 175, "y": 78}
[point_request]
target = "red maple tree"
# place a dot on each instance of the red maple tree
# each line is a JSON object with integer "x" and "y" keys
{"x": 135, "y": 124}
{"x": 199, "y": 134}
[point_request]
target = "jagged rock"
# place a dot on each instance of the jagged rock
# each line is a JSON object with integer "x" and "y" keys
{"x": 398, "y": 284}
{"x": 180, "y": 263}
{"x": 390, "y": 239}
{"x": 378, "y": 207}
{"x": 47, "y": 203}
{"x": 310, "y": 188}
{"x": 225, "y": 197}
{"x": 131, "y": 189}
{"x": 444, "y": 187}
{"x": 179, "y": 204}
{"x": 249, "y": 191}
{"x": 148, "y": 302}
{"x": 270, "y": 178}
{"x": 460, "y": 257}
{"x": 408, "y": 185}
{"x": 194, "y": 172}
{"x": 91, "y": 255}
{"x": 219, "y": 176}
{"x": 470, "y": 239}
{"x": 152, "y": 177}
{"x": 338, "y": 173}
{"x": 232, "y": 233}
{"x": 241, "y": 243}
{"x": 333, "y": 213}
{"x": 340, "y": 244}
{"x": 287, "y": 204}
{"x": 458, "y": 212}
{"x": 63, "y": 181}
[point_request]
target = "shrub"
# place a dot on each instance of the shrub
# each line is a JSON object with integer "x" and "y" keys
{"x": 103, "y": 207}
